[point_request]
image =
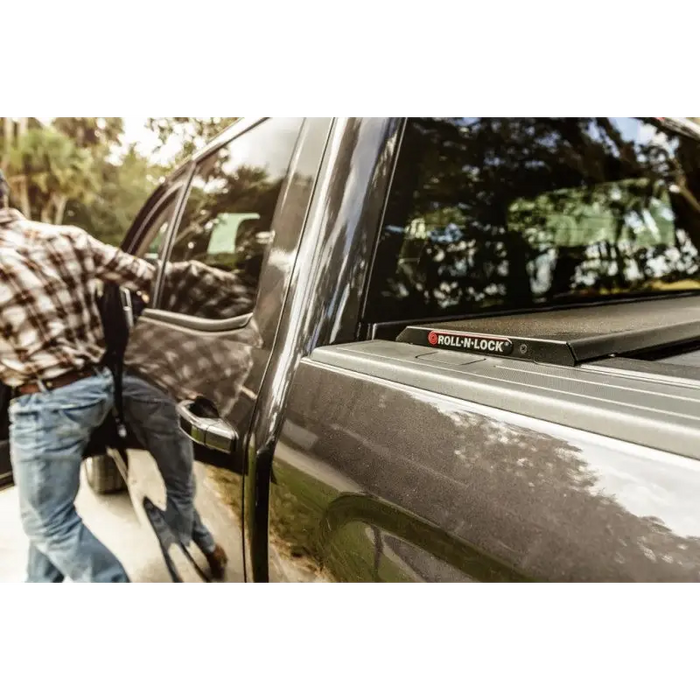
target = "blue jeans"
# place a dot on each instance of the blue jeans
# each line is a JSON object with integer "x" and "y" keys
{"x": 152, "y": 417}
{"x": 48, "y": 435}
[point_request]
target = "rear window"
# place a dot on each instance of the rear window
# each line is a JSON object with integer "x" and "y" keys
{"x": 488, "y": 215}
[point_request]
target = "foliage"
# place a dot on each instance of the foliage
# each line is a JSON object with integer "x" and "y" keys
{"x": 191, "y": 132}
{"x": 71, "y": 170}
{"x": 55, "y": 171}
{"x": 124, "y": 188}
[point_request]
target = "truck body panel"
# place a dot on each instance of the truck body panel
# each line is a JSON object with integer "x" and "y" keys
{"x": 521, "y": 497}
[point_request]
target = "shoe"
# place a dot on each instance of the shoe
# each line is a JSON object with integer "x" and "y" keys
{"x": 217, "y": 562}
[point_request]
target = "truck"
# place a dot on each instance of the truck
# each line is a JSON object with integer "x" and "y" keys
{"x": 429, "y": 349}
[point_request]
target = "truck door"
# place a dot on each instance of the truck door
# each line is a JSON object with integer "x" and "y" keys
{"x": 223, "y": 274}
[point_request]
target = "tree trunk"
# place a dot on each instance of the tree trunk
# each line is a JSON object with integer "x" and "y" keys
{"x": 24, "y": 204}
{"x": 61, "y": 202}
{"x": 9, "y": 132}
{"x": 9, "y": 138}
{"x": 46, "y": 213}
{"x": 23, "y": 127}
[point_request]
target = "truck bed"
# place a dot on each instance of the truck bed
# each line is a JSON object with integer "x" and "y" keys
{"x": 651, "y": 404}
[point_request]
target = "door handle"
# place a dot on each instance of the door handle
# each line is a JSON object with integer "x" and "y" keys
{"x": 213, "y": 433}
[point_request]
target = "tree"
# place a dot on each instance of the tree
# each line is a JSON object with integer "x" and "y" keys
{"x": 123, "y": 190}
{"x": 66, "y": 171}
{"x": 49, "y": 167}
{"x": 49, "y": 170}
{"x": 94, "y": 133}
{"x": 190, "y": 132}
{"x": 8, "y": 127}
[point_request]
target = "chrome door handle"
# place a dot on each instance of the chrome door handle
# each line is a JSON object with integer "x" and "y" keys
{"x": 213, "y": 433}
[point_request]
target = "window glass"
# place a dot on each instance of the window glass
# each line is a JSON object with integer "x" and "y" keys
{"x": 157, "y": 227}
{"x": 497, "y": 214}
{"x": 216, "y": 259}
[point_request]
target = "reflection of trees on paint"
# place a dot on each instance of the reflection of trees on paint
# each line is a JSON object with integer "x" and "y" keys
{"x": 522, "y": 497}
{"x": 567, "y": 504}
{"x": 514, "y": 212}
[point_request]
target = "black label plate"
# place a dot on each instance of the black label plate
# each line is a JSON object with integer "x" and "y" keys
{"x": 462, "y": 342}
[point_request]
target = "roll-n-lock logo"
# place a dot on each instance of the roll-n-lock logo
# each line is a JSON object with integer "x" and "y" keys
{"x": 471, "y": 343}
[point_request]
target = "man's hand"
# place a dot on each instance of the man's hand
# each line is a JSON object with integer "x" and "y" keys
{"x": 139, "y": 302}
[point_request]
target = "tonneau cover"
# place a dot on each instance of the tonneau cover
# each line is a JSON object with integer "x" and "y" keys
{"x": 569, "y": 336}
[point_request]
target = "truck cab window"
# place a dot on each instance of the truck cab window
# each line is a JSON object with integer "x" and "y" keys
{"x": 226, "y": 227}
{"x": 505, "y": 214}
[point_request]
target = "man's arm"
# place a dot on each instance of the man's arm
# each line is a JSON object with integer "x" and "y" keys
{"x": 114, "y": 265}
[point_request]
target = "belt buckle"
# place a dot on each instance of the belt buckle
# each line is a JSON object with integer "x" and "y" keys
{"x": 50, "y": 384}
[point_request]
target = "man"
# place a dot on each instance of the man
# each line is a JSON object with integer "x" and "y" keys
{"x": 152, "y": 417}
{"x": 51, "y": 343}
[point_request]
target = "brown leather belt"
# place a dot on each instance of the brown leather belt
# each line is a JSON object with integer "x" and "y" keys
{"x": 57, "y": 382}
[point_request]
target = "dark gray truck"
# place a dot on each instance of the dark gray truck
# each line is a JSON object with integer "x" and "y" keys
{"x": 436, "y": 349}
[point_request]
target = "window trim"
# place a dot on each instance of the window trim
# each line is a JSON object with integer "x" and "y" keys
{"x": 194, "y": 323}
{"x": 366, "y": 292}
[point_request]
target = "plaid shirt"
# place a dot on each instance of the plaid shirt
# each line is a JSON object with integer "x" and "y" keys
{"x": 49, "y": 320}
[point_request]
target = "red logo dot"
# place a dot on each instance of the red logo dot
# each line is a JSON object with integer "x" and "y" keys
{"x": 433, "y": 338}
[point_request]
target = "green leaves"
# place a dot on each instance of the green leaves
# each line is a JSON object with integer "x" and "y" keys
{"x": 69, "y": 170}
{"x": 53, "y": 169}
{"x": 187, "y": 134}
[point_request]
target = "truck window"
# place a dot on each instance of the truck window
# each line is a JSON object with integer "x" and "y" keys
{"x": 226, "y": 226}
{"x": 503, "y": 214}
{"x": 157, "y": 225}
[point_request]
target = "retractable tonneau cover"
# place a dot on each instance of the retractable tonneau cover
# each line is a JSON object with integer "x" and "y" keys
{"x": 569, "y": 336}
